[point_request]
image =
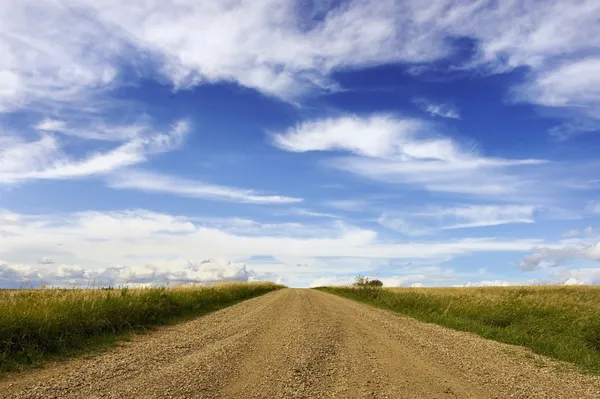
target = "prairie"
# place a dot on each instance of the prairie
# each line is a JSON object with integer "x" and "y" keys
{"x": 557, "y": 321}
{"x": 52, "y": 323}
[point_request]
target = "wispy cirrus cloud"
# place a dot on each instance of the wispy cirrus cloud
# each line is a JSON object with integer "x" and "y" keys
{"x": 422, "y": 222}
{"x": 396, "y": 150}
{"x": 44, "y": 159}
{"x": 437, "y": 109}
{"x": 280, "y": 48}
{"x": 160, "y": 183}
{"x": 316, "y": 214}
{"x": 99, "y": 129}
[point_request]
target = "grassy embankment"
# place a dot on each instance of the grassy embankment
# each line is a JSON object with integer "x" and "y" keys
{"x": 559, "y": 322}
{"x": 53, "y": 323}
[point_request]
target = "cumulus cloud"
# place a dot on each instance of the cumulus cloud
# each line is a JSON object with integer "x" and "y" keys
{"x": 178, "y": 271}
{"x": 551, "y": 257}
{"x": 160, "y": 183}
{"x": 580, "y": 276}
{"x": 573, "y": 281}
{"x": 396, "y": 150}
{"x": 435, "y": 219}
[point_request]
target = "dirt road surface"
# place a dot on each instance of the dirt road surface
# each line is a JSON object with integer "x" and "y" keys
{"x": 305, "y": 344}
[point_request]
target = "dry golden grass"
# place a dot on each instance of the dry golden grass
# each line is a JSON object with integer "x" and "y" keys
{"x": 35, "y": 324}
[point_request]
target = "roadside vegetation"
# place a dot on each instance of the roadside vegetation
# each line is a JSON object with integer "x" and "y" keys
{"x": 53, "y": 323}
{"x": 557, "y": 321}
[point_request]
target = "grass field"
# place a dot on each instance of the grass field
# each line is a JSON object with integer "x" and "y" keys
{"x": 52, "y": 323}
{"x": 556, "y": 321}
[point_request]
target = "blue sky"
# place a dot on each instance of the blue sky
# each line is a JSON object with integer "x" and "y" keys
{"x": 447, "y": 143}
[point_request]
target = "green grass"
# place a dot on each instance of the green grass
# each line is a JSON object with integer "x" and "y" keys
{"x": 559, "y": 322}
{"x": 36, "y": 325}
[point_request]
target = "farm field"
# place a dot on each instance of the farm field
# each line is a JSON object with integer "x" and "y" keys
{"x": 300, "y": 343}
{"x": 53, "y": 323}
{"x": 557, "y": 321}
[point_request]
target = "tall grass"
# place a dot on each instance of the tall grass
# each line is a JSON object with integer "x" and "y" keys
{"x": 560, "y": 322}
{"x": 36, "y": 324}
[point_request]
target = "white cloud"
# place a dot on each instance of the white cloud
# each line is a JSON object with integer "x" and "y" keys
{"x": 155, "y": 182}
{"x": 99, "y": 240}
{"x": 398, "y": 150}
{"x": 350, "y": 205}
{"x": 22, "y": 160}
{"x": 594, "y": 206}
{"x": 179, "y": 271}
{"x": 435, "y": 219}
{"x": 51, "y": 125}
{"x": 576, "y": 83}
{"x": 98, "y": 130}
{"x": 283, "y": 49}
{"x": 379, "y": 136}
{"x": 438, "y": 109}
{"x": 286, "y": 50}
{"x": 308, "y": 212}
{"x": 250, "y": 227}
{"x": 571, "y": 233}
{"x": 272, "y": 46}
{"x": 573, "y": 281}
{"x": 551, "y": 257}
{"x": 573, "y": 87}
{"x": 49, "y": 63}
{"x": 331, "y": 281}
{"x": 579, "y": 276}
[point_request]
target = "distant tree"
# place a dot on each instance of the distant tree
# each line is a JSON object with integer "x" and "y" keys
{"x": 375, "y": 283}
{"x": 362, "y": 281}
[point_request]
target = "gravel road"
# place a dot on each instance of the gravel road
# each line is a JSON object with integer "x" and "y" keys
{"x": 305, "y": 344}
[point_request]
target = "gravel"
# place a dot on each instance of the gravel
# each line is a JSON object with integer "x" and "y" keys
{"x": 305, "y": 344}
